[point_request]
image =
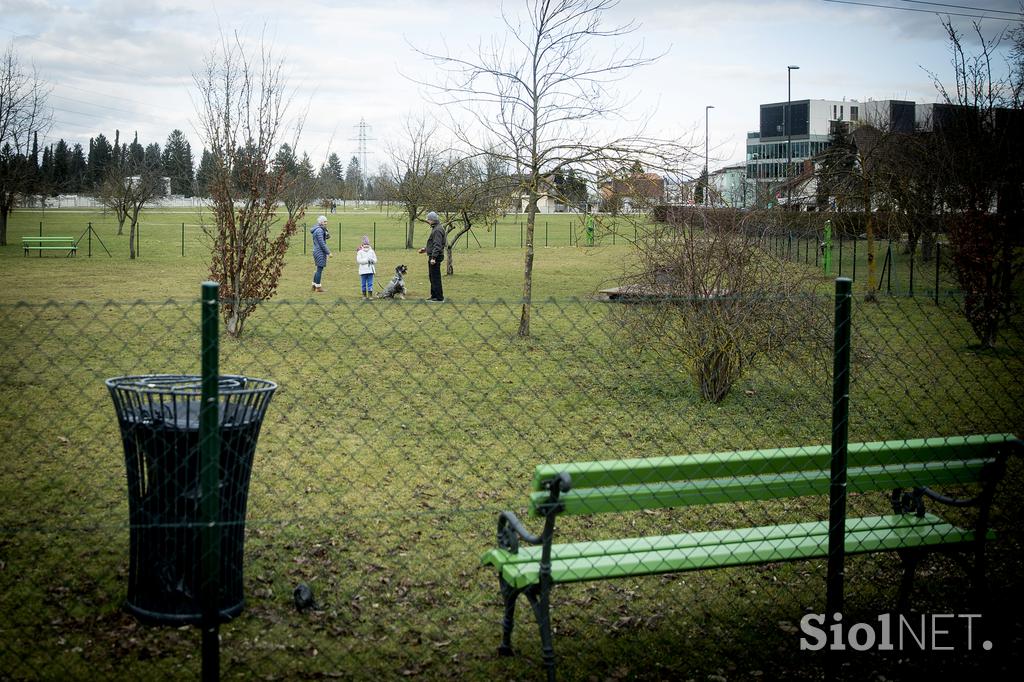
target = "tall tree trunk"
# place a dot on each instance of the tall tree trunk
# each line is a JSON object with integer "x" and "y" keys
{"x": 5, "y": 210}
{"x": 531, "y": 221}
{"x": 869, "y": 229}
{"x": 410, "y": 230}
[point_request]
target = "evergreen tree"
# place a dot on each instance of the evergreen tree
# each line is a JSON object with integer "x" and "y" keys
{"x": 61, "y": 173}
{"x": 46, "y": 183}
{"x": 100, "y": 156}
{"x": 136, "y": 153}
{"x": 77, "y": 170}
{"x": 353, "y": 180}
{"x": 177, "y": 163}
{"x": 332, "y": 180}
{"x": 204, "y": 174}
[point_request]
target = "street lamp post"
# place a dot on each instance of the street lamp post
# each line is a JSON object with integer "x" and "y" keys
{"x": 788, "y": 124}
{"x": 707, "y": 178}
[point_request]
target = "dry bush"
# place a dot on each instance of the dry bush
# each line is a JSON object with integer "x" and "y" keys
{"x": 709, "y": 289}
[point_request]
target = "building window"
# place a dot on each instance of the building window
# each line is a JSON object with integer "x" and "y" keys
{"x": 854, "y": 113}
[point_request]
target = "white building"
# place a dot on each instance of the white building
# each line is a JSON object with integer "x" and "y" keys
{"x": 730, "y": 187}
{"x": 791, "y": 132}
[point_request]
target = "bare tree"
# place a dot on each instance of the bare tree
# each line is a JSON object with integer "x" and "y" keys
{"x": 708, "y": 287}
{"x": 242, "y": 108}
{"x": 413, "y": 167}
{"x": 466, "y": 193}
{"x": 128, "y": 186}
{"x": 23, "y": 115}
{"x": 978, "y": 151}
{"x": 300, "y": 186}
{"x": 534, "y": 98}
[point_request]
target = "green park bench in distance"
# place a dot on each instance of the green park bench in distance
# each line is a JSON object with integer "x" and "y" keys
{"x": 41, "y": 244}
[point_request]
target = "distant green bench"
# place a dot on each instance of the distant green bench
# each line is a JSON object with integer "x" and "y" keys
{"x": 41, "y": 244}
{"x": 907, "y": 469}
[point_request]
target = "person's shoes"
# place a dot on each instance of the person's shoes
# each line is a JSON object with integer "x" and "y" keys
{"x": 435, "y": 300}
{"x": 314, "y": 287}
{"x": 319, "y": 290}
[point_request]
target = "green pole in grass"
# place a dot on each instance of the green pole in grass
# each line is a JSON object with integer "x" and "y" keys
{"x": 40, "y": 234}
{"x": 183, "y": 240}
{"x": 840, "y": 431}
{"x": 374, "y": 237}
{"x": 209, "y": 481}
{"x": 938, "y": 257}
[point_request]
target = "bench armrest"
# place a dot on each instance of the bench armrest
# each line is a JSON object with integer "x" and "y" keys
{"x": 510, "y": 529}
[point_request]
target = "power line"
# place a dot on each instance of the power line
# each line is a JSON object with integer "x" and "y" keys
{"x": 915, "y": 9}
{"x": 977, "y": 9}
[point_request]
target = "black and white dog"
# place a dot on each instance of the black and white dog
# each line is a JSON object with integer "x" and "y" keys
{"x": 396, "y": 288}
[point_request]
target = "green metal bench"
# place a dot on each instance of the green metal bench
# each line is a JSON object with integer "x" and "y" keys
{"x": 908, "y": 470}
{"x": 41, "y": 244}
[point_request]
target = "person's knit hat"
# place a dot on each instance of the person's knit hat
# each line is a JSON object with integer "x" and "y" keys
{"x": 322, "y": 220}
{"x": 432, "y": 218}
{"x": 366, "y": 240}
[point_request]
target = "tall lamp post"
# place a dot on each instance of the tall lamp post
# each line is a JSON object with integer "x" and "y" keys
{"x": 707, "y": 178}
{"x": 788, "y": 124}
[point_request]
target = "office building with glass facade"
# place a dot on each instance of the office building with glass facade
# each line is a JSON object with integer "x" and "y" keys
{"x": 792, "y": 132}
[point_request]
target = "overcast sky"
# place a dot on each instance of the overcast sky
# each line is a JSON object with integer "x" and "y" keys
{"x": 128, "y": 64}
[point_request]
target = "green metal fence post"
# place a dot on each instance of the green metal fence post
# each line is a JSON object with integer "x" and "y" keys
{"x": 183, "y": 240}
{"x": 374, "y": 237}
{"x": 304, "y": 240}
{"x": 40, "y": 234}
{"x": 938, "y": 259}
{"x": 854, "y": 278}
{"x": 495, "y": 234}
{"x": 840, "y": 431}
{"x": 209, "y": 467}
{"x": 840, "y": 254}
{"x": 545, "y": 233}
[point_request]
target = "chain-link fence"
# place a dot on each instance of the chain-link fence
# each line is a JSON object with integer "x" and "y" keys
{"x": 400, "y": 430}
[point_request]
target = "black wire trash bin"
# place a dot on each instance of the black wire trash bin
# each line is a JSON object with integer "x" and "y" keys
{"x": 159, "y": 419}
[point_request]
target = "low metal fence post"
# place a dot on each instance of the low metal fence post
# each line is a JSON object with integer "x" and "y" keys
{"x": 209, "y": 444}
{"x": 840, "y": 431}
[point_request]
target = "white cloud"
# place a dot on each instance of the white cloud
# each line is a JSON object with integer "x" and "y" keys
{"x": 128, "y": 65}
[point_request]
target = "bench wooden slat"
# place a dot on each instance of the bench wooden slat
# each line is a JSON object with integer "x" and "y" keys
{"x": 623, "y": 498}
{"x": 531, "y": 553}
{"x": 695, "y": 556}
{"x": 771, "y": 461}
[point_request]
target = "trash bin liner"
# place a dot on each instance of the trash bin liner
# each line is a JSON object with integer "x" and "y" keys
{"x": 159, "y": 420}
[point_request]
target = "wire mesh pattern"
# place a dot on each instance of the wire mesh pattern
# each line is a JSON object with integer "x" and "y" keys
{"x": 400, "y": 431}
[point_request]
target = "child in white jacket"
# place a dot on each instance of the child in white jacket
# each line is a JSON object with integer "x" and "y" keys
{"x": 367, "y": 260}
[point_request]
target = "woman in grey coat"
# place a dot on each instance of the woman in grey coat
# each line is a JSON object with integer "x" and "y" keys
{"x": 320, "y": 250}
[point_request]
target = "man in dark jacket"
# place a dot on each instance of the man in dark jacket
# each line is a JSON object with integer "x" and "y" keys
{"x": 435, "y": 254}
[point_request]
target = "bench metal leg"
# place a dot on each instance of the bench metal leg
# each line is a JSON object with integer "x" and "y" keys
{"x": 509, "y": 594}
{"x": 540, "y": 600}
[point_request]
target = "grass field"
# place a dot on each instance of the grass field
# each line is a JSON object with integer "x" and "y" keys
{"x": 400, "y": 430}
